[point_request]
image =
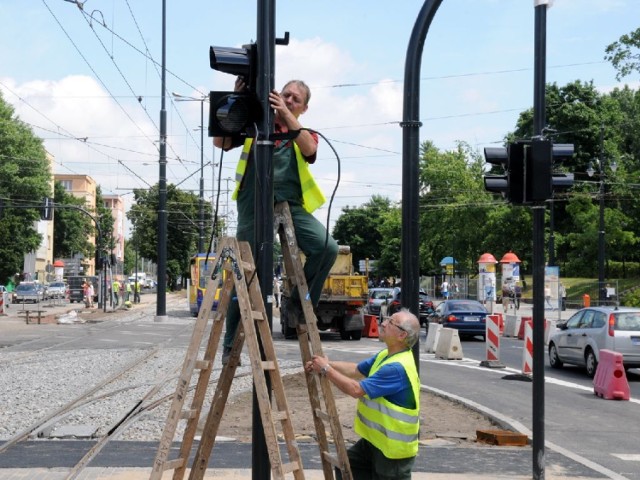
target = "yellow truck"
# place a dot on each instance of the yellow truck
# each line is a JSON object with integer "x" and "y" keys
{"x": 343, "y": 297}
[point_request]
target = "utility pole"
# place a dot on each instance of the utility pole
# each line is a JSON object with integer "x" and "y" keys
{"x": 539, "y": 105}
{"x": 161, "y": 292}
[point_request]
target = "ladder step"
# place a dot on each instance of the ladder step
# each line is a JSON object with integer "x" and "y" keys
{"x": 290, "y": 467}
{"x": 322, "y": 415}
{"x": 173, "y": 464}
{"x": 248, "y": 267}
{"x": 202, "y": 364}
{"x": 257, "y": 315}
{"x": 187, "y": 414}
{"x": 331, "y": 459}
{"x": 268, "y": 365}
{"x": 280, "y": 416}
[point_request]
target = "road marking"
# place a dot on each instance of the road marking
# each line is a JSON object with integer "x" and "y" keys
{"x": 631, "y": 457}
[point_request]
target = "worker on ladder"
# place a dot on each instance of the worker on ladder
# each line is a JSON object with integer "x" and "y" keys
{"x": 388, "y": 412}
{"x": 293, "y": 183}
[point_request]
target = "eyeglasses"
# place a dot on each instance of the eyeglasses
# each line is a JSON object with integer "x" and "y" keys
{"x": 397, "y": 326}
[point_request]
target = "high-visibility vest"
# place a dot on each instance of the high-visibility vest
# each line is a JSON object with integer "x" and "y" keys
{"x": 389, "y": 427}
{"x": 312, "y": 196}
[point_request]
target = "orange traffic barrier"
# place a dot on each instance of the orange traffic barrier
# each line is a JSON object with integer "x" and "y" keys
{"x": 610, "y": 381}
{"x": 523, "y": 322}
{"x": 370, "y": 326}
{"x": 500, "y": 319}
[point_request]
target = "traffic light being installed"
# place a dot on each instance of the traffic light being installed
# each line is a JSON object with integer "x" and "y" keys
{"x": 529, "y": 169}
{"x": 234, "y": 113}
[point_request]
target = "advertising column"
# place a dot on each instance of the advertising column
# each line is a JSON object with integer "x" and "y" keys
{"x": 487, "y": 280}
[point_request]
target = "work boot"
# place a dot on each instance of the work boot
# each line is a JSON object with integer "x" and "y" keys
{"x": 226, "y": 354}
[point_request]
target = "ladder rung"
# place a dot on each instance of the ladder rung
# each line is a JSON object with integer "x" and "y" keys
{"x": 202, "y": 364}
{"x": 280, "y": 415}
{"x": 331, "y": 459}
{"x": 257, "y": 315}
{"x": 322, "y": 415}
{"x": 268, "y": 365}
{"x": 173, "y": 464}
{"x": 187, "y": 414}
{"x": 247, "y": 267}
{"x": 290, "y": 467}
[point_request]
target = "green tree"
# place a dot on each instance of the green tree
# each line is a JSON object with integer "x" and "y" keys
{"x": 624, "y": 54}
{"x": 106, "y": 223}
{"x": 358, "y": 227}
{"x": 70, "y": 226}
{"x": 24, "y": 181}
{"x": 182, "y": 227}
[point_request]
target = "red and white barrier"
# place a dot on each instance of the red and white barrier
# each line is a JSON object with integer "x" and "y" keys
{"x": 492, "y": 337}
{"x": 4, "y": 297}
{"x": 527, "y": 351}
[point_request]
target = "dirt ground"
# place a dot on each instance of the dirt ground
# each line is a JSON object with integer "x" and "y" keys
{"x": 441, "y": 418}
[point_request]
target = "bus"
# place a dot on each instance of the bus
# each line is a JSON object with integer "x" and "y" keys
{"x": 201, "y": 271}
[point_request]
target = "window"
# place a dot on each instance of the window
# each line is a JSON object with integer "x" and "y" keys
{"x": 67, "y": 184}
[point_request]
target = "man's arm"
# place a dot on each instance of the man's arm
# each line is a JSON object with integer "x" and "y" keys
{"x": 343, "y": 375}
{"x": 306, "y": 142}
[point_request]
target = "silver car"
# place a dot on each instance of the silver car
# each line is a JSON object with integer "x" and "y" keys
{"x": 377, "y": 296}
{"x": 590, "y": 330}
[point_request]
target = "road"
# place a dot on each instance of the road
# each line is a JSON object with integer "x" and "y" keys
{"x": 602, "y": 434}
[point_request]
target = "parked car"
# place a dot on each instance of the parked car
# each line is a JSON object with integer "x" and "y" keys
{"x": 377, "y": 296}
{"x": 394, "y": 304}
{"x": 590, "y": 330}
{"x": 57, "y": 290}
{"x": 28, "y": 292}
{"x": 469, "y": 317}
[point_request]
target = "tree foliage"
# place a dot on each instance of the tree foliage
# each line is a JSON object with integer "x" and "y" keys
{"x": 70, "y": 226}
{"x": 182, "y": 227}
{"x": 24, "y": 181}
{"x": 624, "y": 54}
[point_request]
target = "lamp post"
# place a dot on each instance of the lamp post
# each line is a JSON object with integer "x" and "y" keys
{"x": 184, "y": 98}
{"x": 601, "y": 246}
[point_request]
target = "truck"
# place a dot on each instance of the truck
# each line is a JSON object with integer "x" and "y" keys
{"x": 344, "y": 295}
{"x": 76, "y": 290}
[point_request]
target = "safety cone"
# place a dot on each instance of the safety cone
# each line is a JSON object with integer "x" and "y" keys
{"x": 370, "y": 326}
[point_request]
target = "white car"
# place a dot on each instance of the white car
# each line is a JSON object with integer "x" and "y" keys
{"x": 590, "y": 330}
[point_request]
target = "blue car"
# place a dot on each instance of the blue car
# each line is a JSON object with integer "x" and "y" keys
{"x": 469, "y": 317}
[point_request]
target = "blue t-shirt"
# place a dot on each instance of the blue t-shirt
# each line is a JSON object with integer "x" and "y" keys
{"x": 390, "y": 382}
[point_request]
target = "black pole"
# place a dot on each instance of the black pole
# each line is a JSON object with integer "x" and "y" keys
{"x": 161, "y": 292}
{"x": 263, "y": 225}
{"x": 410, "y": 274}
{"x": 201, "y": 200}
{"x": 601, "y": 289}
{"x": 538, "y": 249}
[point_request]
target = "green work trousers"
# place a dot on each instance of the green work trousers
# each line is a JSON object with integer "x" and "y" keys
{"x": 311, "y": 236}
{"x": 368, "y": 463}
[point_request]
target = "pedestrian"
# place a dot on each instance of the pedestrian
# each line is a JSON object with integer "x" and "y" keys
{"x": 293, "y": 183}
{"x": 136, "y": 292}
{"x": 563, "y": 296}
{"x": 85, "y": 293}
{"x": 276, "y": 291}
{"x": 90, "y": 294}
{"x": 115, "y": 290}
{"x": 444, "y": 289}
{"x": 547, "y": 295}
{"x": 387, "y": 387}
{"x": 128, "y": 290}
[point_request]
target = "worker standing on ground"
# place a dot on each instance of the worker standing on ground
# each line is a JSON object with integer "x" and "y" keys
{"x": 388, "y": 412}
{"x": 292, "y": 183}
{"x": 115, "y": 288}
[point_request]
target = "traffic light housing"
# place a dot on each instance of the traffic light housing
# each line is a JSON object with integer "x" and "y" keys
{"x": 234, "y": 113}
{"x": 510, "y": 185}
{"x": 529, "y": 170}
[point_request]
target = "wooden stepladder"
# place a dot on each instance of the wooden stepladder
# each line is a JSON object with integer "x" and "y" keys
{"x": 236, "y": 260}
{"x": 310, "y": 344}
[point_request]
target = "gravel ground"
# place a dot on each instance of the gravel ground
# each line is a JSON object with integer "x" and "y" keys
{"x": 36, "y": 386}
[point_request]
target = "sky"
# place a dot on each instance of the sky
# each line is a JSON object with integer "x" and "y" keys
{"x": 86, "y": 76}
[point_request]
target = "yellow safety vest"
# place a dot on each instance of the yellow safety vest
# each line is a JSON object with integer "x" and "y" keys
{"x": 390, "y": 428}
{"x": 312, "y": 196}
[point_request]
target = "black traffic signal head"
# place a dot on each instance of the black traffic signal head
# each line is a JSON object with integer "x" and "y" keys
{"x": 241, "y": 62}
{"x": 497, "y": 183}
{"x": 233, "y": 113}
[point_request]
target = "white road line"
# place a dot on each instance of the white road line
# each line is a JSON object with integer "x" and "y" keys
{"x": 631, "y": 457}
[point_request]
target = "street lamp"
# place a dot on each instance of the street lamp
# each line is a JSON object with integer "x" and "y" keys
{"x": 601, "y": 247}
{"x": 184, "y": 98}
